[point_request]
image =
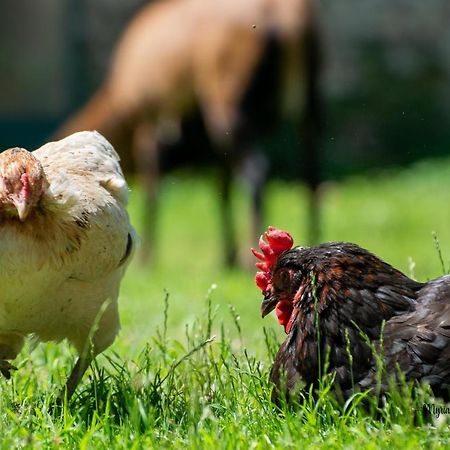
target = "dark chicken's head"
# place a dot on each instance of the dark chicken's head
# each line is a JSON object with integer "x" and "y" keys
{"x": 276, "y": 285}
{"x": 296, "y": 281}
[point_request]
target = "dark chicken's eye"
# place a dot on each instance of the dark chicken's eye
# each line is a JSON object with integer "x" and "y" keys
{"x": 283, "y": 279}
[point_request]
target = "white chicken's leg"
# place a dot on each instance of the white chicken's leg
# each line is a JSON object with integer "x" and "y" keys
{"x": 74, "y": 378}
{"x": 107, "y": 328}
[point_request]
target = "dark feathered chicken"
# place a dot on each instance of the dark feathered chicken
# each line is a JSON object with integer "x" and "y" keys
{"x": 327, "y": 296}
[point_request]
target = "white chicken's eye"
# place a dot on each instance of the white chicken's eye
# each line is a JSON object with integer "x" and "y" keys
{"x": 5, "y": 185}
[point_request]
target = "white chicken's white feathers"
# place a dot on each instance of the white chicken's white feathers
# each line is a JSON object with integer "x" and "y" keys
{"x": 79, "y": 156}
{"x": 66, "y": 260}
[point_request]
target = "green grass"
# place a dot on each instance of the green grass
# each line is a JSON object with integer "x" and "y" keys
{"x": 197, "y": 376}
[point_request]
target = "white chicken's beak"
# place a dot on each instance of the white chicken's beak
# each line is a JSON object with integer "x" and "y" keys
{"x": 23, "y": 208}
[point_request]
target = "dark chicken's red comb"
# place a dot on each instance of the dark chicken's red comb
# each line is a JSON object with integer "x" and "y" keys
{"x": 278, "y": 241}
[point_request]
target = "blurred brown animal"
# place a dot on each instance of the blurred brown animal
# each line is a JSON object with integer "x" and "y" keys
{"x": 234, "y": 61}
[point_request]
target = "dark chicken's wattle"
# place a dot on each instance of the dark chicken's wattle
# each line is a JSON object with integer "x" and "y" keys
{"x": 352, "y": 291}
{"x": 284, "y": 310}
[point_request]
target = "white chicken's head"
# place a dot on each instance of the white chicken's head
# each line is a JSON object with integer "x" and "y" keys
{"x": 22, "y": 182}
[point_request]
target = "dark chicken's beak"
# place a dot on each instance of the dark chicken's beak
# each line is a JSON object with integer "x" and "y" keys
{"x": 268, "y": 304}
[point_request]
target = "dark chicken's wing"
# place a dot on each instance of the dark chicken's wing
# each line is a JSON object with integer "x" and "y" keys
{"x": 418, "y": 343}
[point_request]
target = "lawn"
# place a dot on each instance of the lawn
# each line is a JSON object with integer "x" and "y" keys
{"x": 190, "y": 366}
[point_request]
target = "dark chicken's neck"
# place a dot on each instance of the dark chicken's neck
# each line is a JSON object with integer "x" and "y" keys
{"x": 343, "y": 284}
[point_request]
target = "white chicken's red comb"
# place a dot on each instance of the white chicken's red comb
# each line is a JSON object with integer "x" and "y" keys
{"x": 278, "y": 241}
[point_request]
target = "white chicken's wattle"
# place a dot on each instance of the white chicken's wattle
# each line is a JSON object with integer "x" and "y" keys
{"x": 65, "y": 240}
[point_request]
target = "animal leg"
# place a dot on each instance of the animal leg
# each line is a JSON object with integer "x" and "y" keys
{"x": 145, "y": 151}
{"x": 312, "y": 124}
{"x": 254, "y": 170}
{"x": 229, "y": 241}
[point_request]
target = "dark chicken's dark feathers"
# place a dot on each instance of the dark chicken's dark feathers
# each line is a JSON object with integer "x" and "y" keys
{"x": 339, "y": 292}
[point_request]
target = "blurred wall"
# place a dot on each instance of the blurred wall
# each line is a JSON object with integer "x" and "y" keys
{"x": 387, "y": 81}
{"x": 32, "y": 77}
{"x": 386, "y": 75}
{"x": 53, "y": 53}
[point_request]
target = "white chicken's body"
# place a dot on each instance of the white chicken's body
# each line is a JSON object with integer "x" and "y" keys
{"x": 61, "y": 268}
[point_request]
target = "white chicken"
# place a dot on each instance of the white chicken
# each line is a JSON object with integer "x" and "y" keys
{"x": 65, "y": 241}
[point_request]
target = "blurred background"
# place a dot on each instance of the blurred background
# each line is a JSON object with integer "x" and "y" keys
{"x": 386, "y": 75}
{"x": 384, "y": 147}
